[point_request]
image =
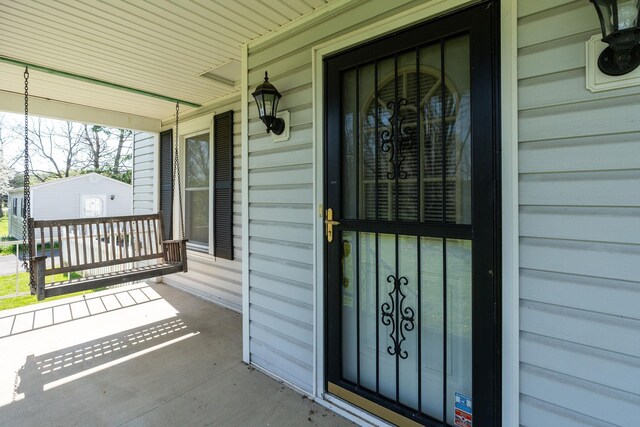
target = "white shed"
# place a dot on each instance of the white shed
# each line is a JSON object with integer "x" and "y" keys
{"x": 83, "y": 196}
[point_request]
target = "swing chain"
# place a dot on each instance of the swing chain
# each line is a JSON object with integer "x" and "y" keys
{"x": 27, "y": 251}
{"x": 176, "y": 174}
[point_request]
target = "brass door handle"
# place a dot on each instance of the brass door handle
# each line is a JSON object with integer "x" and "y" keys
{"x": 328, "y": 225}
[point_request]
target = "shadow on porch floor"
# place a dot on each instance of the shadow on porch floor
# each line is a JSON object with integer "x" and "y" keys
{"x": 138, "y": 355}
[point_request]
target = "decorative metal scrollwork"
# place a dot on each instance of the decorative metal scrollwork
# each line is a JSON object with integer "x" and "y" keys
{"x": 405, "y": 139}
{"x": 406, "y": 320}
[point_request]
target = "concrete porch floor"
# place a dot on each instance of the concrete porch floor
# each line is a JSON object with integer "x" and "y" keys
{"x": 141, "y": 355}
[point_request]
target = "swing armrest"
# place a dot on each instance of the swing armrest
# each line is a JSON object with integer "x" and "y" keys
{"x": 39, "y": 266}
{"x": 176, "y": 251}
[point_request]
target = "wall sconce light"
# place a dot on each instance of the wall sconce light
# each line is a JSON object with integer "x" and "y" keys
{"x": 267, "y": 98}
{"x": 113, "y": 196}
{"x": 620, "y": 30}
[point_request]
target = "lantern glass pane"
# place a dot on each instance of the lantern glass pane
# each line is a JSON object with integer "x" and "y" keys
{"x": 268, "y": 104}
{"x": 275, "y": 105}
{"x": 605, "y": 12}
{"x": 627, "y": 14}
{"x": 259, "y": 104}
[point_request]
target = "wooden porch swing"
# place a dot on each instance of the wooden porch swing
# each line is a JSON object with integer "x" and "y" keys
{"x": 134, "y": 244}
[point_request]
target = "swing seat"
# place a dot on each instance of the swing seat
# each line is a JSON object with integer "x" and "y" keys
{"x": 106, "y": 251}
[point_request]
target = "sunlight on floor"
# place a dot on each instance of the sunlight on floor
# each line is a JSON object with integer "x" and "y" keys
{"x": 123, "y": 359}
{"x": 59, "y": 342}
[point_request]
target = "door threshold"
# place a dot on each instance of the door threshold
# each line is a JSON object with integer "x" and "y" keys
{"x": 364, "y": 406}
{"x": 350, "y": 411}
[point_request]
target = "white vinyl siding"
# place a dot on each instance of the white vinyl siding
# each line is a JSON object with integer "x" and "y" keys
{"x": 579, "y": 161}
{"x": 145, "y": 149}
{"x": 66, "y": 197}
{"x": 216, "y": 279}
{"x": 281, "y": 195}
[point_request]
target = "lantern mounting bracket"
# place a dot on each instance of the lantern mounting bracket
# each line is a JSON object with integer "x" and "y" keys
{"x": 618, "y": 62}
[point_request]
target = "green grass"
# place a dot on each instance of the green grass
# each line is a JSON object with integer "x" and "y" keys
{"x": 4, "y": 225}
{"x": 11, "y": 249}
{"x": 8, "y": 286}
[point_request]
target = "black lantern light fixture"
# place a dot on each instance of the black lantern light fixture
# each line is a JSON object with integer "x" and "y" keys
{"x": 267, "y": 98}
{"x": 620, "y": 30}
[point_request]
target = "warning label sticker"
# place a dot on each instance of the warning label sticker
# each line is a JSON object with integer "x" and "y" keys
{"x": 463, "y": 411}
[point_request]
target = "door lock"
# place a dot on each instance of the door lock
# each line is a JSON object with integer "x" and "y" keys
{"x": 328, "y": 225}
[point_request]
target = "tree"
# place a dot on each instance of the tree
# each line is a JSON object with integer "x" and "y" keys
{"x": 55, "y": 148}
{"x": 5, "y": 171}
{"x": 108, "y": 151}
{"x": 123, "y": 151}
{"x": 59, "y": 149}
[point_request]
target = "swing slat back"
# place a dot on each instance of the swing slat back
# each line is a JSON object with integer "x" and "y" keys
{"x": 75, "y": 245}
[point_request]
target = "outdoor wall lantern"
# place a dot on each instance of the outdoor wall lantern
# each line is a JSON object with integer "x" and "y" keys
{"x": 620, "y": 30}
{"x": 267, "y": 98}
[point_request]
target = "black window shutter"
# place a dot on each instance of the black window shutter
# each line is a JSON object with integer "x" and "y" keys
{"x": 166, "y": 173}
{"x": 223, "y": 185}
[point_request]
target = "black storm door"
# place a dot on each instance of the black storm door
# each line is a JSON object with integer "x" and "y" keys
{"x": 412, "y": 247}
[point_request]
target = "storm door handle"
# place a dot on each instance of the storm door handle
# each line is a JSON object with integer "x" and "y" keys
{"x": 328, "y": 225}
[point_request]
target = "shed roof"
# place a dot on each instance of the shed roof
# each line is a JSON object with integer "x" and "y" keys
{"x": 62, "y": 181}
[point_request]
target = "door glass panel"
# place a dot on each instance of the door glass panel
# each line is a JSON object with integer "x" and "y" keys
{"x": 458, "y": 130}
{"x": 406, "y": 110}
{"x": 349, "y": 145}
{"x": 383, "y": 109}
{"x": 431, "y": 330}
{"x": 458, "y": 279}
{"x": 431, "y": 131}
{"x": 368, "y": 135}
{"x": 349, "y": 307}
{"x": 387, "y": 361}
{"x": 457, "y": 359}
{"x": 368, "y": 310}
{"x": 407, "y": 319}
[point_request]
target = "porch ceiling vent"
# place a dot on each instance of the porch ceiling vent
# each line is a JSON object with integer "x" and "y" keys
{"x": 226, "y": 73}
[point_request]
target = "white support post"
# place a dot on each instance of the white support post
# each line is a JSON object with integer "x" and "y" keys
{"x": 17, "y": 267}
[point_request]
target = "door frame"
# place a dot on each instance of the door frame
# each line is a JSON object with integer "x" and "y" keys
{"x": 507, "y": 202}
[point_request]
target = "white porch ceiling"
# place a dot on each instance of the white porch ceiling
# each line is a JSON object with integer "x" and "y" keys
{"x": 159, "y": 46}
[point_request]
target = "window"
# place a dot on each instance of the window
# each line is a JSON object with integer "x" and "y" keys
{"x": 208, "y": 188}
{"x": 197, "y": 190}
{"x": 14, "y": 208}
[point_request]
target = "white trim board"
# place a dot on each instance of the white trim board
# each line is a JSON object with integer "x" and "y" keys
{"x": 510, "y": 227}
{"x": 244, "y": 158}
{"x": 509, "y": 166}
{"x": 41, "y": 107}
